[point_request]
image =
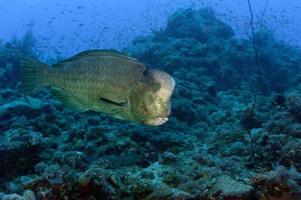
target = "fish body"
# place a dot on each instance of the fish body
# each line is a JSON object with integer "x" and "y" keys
{"x": 107, "y": 82}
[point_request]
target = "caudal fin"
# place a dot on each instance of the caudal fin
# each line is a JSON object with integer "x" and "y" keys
{"x": 32, "y": 75}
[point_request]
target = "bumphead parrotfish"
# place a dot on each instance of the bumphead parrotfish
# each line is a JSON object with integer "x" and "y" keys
{"x": 105, "y": 81}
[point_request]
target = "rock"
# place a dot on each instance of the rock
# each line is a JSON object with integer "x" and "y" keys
{"x": 291, "y": 154}
{"x": 23, "y": 105}
{"x": 231, "y": 188}
{"x": 6, "y": 94}
{"x": 167, "y": 158}
{"x": 54, "y": 174}
{"x": 281, "y": 183}
{"x": 19, "y": 147}
{"x": 147, "y": 175}
{"x": 238, "y": 148}
{"x": 184, "y": 114}
{"x": 295, "y": 130}
{"x": 249, "y": 119}
{"x": 3, "y": 74}
{"x": 219, "y": 117}
{"x": 13, "y": 197}
{"x": 278, "y": 123}
{"x": 29, "y": 195}
{"x": 201, "y": 25}
{"x": 40, "y": 167}
{"x": 279, "y": 100}
{"x": 294, "y": 106}
{"x": 14, "y": 188}
{"x": 161, "y": 192}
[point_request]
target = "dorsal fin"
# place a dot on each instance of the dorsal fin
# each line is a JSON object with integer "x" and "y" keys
{"x": 90, "y": 53}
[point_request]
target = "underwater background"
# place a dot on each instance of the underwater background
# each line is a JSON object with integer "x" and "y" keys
{"x": 235, "y": 125}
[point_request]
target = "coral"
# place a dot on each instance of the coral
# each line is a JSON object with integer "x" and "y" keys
{"x": 202, "y": 25}
{"x": 19, "y": 148}
{"x": 214, "y": 145}
{"x": 28, "y": 195}
{"x": 279, "y": 184}
{"x": 10, "y": 54}
{"x": 167, "y": 158}
{"x": 229, "y": 188}
{"x": 294, "y": 106}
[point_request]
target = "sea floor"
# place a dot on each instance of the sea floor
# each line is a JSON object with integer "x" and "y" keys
{"x": 220, "y": 142}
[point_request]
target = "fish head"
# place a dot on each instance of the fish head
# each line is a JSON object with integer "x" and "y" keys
{"x": 152, "y": 104}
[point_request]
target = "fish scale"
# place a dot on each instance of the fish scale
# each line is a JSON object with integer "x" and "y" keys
{"x": 108, "y": 82}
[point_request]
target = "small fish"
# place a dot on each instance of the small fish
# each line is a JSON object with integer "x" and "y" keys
{"x": 105, "y": 81}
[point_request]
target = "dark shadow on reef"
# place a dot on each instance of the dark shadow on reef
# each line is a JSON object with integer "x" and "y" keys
{"x": 212, "y": 148}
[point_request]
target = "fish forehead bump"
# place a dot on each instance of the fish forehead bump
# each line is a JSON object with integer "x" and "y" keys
{"x": 166, "y": 81}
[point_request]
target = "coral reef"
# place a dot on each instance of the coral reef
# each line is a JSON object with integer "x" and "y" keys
{"x": 212, "y": 148}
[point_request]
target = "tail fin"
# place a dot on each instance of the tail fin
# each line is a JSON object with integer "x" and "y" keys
{"x": 32, "y": 75}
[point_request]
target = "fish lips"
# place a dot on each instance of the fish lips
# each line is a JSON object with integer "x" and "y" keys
{"x": 157, "y": 121}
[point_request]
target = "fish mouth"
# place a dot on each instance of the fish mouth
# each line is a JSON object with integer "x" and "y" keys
{"x": 163, "y": 119}
{"x": 158, "y": 121}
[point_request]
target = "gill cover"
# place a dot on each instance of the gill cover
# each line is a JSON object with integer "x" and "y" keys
{"x": 150, "y": 100}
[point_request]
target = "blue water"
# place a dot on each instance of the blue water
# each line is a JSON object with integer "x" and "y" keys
{"x": 235, "y": 126}
{"x": 114, "y": 23}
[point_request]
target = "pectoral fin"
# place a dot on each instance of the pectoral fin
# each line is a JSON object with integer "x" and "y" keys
{"x": 113, "y": 103}
{"x": 68, "y": 100}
